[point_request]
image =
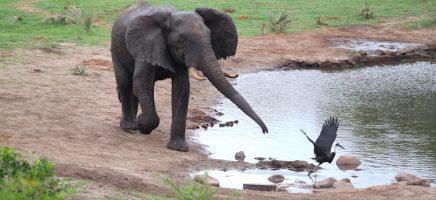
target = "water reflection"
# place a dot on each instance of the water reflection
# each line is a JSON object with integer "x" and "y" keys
{"x": 387, "y": 116}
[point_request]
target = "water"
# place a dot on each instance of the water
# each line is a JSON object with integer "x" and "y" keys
{"x": 387, "y": 119}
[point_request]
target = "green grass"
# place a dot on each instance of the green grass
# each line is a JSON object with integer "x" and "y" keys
{"x": 429, "y": 22}
{"x": 249, "y": 17}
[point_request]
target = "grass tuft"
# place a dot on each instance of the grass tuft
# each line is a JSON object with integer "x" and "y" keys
{"x": 279, "y": 24}
{"x": 79, "y": 71}
{"x": 366, "y": 12}
{"x": 191, "y": 190}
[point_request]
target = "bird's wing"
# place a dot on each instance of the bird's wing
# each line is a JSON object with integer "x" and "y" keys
{"x": 316, "y": 149}
{"x": 328, "y": 135}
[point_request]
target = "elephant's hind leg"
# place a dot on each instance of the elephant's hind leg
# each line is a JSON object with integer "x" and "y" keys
{"x": 129, "y": 103}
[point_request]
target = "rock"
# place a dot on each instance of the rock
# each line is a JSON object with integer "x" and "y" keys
{"x": 411, "y": 179}
{"x": 276, "y": 178}
{"x": 343, "y": 184}
{"x": 326, "y": 183}
{"x": 259, "y": 187}
{"x": 346, "y": 180}
{"x": 347, "y": 162}
{"x": 282, "y": 189}
{"x": 240, "y": 156}
{"x": 296, "y": 165}
{"x": 206, "y": 179}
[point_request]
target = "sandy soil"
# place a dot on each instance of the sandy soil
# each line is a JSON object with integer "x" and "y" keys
{"x": 73, "y": 120}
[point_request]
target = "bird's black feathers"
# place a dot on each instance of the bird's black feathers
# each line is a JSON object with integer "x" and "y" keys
{"x": 323, "y": 144}
{"x": 328, "y": 135}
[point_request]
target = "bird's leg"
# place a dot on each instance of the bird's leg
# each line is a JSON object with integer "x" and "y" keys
{"x": 316, "y": 169}
{"x": 311, "y": 177}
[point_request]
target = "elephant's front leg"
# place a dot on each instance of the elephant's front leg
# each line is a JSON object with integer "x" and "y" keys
{"x": 143, "y": 88}
{"x": 179, "y": 101}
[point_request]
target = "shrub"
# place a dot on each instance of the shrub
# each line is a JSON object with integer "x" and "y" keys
{"x": 20, "y": 180}
{"x": 366, "y": 12}
{"x": 70, "y": 15}
{"x": 279, "y": 24}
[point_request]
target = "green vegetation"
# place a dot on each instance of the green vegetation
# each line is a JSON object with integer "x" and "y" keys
{"x": 190, "y": 191}
{"x": 79, "y": 71}
{"x": 20, "y": 180}
{"x": 250, "y": 17}
{"x": 280, "y": 24}
{"x": 423, "y": 23}
{"x": 366, "y": 12}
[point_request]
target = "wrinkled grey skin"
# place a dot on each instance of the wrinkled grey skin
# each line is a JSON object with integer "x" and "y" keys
{"x": 155, "y": 43}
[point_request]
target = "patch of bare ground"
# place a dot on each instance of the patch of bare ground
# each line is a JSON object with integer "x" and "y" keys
{"x": 30, "y": 7}
{"x": 73, "y": 120}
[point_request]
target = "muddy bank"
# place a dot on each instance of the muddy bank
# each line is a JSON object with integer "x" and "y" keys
{"x": 363, "y": 58}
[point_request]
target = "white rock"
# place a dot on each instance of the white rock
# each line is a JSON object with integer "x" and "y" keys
{"x": 347, "y": 162}
{"x": 411, "y": 179}
{"x": 342, "y": 184}
{"x": 206, "y": 179}
{"x": 326, "y": 183}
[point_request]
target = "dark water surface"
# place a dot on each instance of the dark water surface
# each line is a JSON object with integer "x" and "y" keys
{"x": 387, "y": 119}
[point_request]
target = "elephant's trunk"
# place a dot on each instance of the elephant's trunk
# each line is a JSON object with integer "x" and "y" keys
{"x": 216, "y": 76}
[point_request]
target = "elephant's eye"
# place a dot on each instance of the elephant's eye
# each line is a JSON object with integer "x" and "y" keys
{"x": 177, "y": 40}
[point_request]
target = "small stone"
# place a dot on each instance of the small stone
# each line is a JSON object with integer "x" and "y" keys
{"x": 326, "y": 183}
{"x": 37, "y": 70}
{"x": 240, "y": 156}
{"x": 276, "y": 178}
{"x": 206, "y": 179}
{"x": 282, "y": 189}
{"x": 346, "y": 180}
{"x": 347, "y": 162}
{"x": 411, "y": 179}
{"x": 343, "y": 184}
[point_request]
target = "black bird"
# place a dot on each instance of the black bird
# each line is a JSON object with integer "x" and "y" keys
{"x": 323, "y": 145}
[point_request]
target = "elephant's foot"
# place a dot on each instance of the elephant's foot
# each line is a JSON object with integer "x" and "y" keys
{"x": 178, "y": 145}
{"x": 146, "y": 124}
{"x": 128, "y": 124}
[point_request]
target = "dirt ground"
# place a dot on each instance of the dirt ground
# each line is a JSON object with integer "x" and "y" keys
{"x": 45, "y": 111}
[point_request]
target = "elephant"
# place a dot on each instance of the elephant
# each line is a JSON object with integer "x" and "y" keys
{"x": 154, "y": 43}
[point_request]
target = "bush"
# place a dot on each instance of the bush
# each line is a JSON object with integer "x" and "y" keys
{"x": 279, "y": 24}
{"x": 20, "y": 180}
{"x": 71, "y": 15}
{"x": 366, "y": 12}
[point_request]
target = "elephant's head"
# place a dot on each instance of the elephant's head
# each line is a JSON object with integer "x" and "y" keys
{"x": 170, "y": 39}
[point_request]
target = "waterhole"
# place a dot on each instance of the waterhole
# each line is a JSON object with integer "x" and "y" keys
{"x": 387, "y": 119}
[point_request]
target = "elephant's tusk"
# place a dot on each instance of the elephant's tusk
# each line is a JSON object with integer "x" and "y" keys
{"x": 194, "y": 73}
{"x": 228, "y": 75}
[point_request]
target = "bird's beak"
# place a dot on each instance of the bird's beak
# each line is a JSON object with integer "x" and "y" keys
{"x": 337, "y": 144}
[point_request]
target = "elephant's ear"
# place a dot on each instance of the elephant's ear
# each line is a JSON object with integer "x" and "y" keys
{"x": 224, "y": 37}
{"x": 145, "y": 40}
